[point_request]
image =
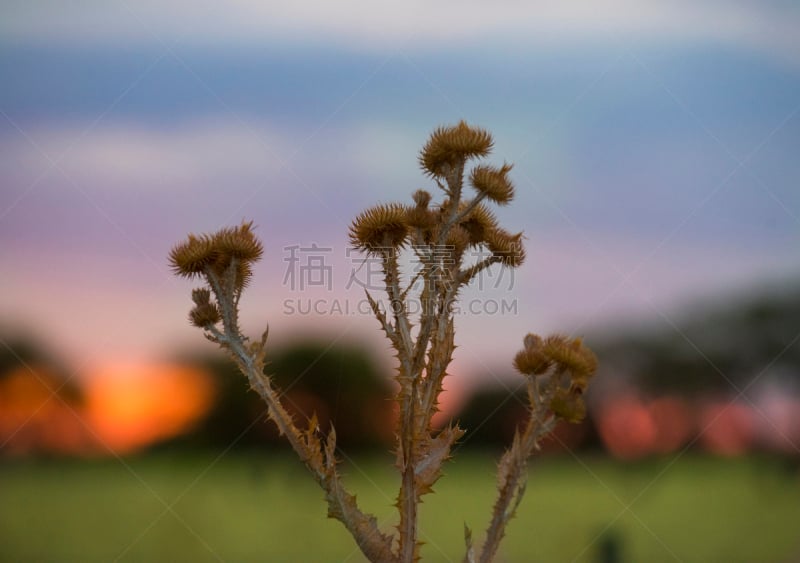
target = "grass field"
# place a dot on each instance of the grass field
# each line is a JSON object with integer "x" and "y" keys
{"x": 265, "y": 508}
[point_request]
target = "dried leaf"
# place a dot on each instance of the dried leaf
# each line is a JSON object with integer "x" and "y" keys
{"x": 434, "y": 453}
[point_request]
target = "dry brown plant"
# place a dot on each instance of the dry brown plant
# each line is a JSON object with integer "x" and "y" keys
{"x": 557, "y": 369}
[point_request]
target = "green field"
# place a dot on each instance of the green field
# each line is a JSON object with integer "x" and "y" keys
{"x": 265, "y": 508}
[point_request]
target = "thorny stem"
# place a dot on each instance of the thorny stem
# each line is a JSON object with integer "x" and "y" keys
{"x": 341, "y": 504}
{"x": 407, "y": 502}
{"x": 439, "y": 357}
{"x": 392, "y": 281}
{"x": 433, "y": 311}
{"x": 428, "y": 302}
{"x": 387, "y": 327}
{"x": 247, "y": 364}
{"x": 411, "y": 283}
{"x": 512, "y": 472}
{"x": 454, "y": 181}
{"x": 230, "y": 314}
{"x": 464, "y": 276}
{"x": 469, "y": 207}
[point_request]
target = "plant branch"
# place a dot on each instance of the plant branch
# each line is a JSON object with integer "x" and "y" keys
{"x": 511, "y": 479}
{"x": 455, "y": 183}
{"x": 387, "y": 327}
{"x": 465, "y": 276}
{"x": 473, "y": 203}
{"x": 318, "y": 458}
{"x": 407, "y": 499}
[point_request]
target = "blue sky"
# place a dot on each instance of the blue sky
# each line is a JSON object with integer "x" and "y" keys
{"x": 654, "y": 146}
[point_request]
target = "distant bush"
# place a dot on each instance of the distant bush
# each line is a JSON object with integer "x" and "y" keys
{"x": 341, "y": 383}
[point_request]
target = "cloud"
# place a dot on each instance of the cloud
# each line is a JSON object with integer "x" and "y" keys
{"x": 121, "y": 156}
{"x": 209, "y": 153}
{"x": 769, "y": 26}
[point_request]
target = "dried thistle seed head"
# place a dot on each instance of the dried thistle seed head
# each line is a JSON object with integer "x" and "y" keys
{"x": 244, "y": 273}
{"x": 380, "y": 227}
{"x": 444, "y": 210}
{"x": 531, "y": 360}
{"x": 422, "y": 198}
{"x": 201, "y": 296}
{"x": 506, "y": 247}
{"x": 573, "y": 360}
{"x": 568, "y": 405}
{"x": 457, "y": 239}
{"x": 238, "y": 242}
{"x": 191, "y": 257}
{"x": 493, "y": 182}
{"x": 449, "y": 146}
{"x": 532, "y": 340}
{"x": 205, "y": 315}
{"x": 478, "y": 224}
{"x": 573, "y": 356}
{"x": 421, "y": 217}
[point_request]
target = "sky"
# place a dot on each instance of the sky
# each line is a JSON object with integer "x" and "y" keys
{"x": 655, "y": 150}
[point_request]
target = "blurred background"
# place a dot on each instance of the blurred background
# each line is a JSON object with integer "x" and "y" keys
{"x": 655, "y": 147}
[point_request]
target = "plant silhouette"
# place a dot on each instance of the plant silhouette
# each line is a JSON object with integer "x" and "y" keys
{"x": 557, "y": 369}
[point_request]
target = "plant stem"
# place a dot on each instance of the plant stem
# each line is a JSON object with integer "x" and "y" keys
{"x": 408, "y": 499}
{"x": 511, "y": 480}
{"x": 375, "y": 545}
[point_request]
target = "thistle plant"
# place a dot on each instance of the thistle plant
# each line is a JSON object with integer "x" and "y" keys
{"x": 557, "y": 369}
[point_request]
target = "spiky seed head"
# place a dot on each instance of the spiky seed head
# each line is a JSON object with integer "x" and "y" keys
{"x": 457, "y": 239}
{"x": 422, "y": 198}
{"x": 571, "y": 355}
{"x": 449, "y": 146}
{"x": 380, "y": 227}
{"x": 444, "y": 207}
{"x": 243, "y": 270}
{"x": 244, "y": 273}
{"x": 506, "y": 247}
{"x": 421, "y": 217}
{"x": 190, "y": 258}
{"x": 565, "y": 354}
{"x": 205, "y": 315}
{"x": 532, "y": 340}
{"x": 478, "y": 224}
{"x": 493, "y": 182}
{"x": 238, "y": 242}
{"x": 531, "y": 360}
{"x": 201, "y": 296}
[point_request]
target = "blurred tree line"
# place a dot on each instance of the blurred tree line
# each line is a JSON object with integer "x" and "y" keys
{"x": 712, "y": 351}
{"x": 38, "y": 400}
{"x": 711, "y": 348}
{"x": 341, "y": 384}
{"x": 701, "y": 353}
{"x": 20, "y": 353}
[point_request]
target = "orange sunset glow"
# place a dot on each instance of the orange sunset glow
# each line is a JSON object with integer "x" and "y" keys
{"x": 118, "y": 408}
{"x": 37, "y": 412}
{"x": 131, "y": 406}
